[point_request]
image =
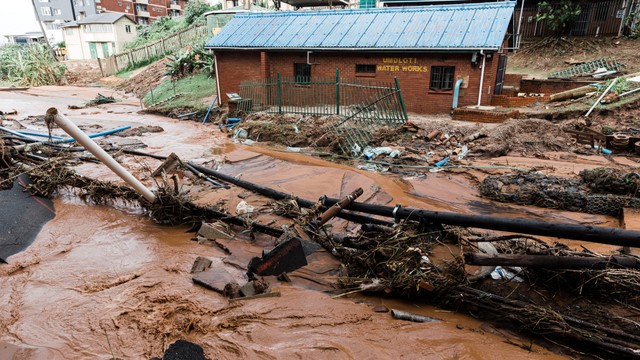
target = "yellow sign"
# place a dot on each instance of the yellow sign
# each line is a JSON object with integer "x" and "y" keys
{"x": 403, "y": 68}
{"x": 399, "y": 60}
{"x": 395, "y": 64}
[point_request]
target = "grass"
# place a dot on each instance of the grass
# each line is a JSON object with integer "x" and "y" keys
{"x": 193, "y": 89}
{"x": 126, "y": 72}
{"x": 6, "y": 83}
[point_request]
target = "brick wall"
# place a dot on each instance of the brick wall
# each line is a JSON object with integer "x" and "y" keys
{"x": 233, "y": 69}
{"x": 484, "y": 116}
{"x": 513, "y": 80}
{"x": 516, "y": 101}
{"x": 155, "y": 8}
{"x": 551, "y": 86}
{"x": 412, "y": 70}
{"x": 118, "y": 6}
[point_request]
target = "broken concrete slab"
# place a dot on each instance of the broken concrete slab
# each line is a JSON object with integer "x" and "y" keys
{"x": 214, "y": 231}
{"x": 248, "y": 289}
{"x": 201, "y": 264}
{"x": 215, "y": 279}
{"x": 168, "y": 165}
{"x": 286, "y": 257}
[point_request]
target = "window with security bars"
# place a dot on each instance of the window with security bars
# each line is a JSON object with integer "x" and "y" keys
{"x": 302, "y": 73}
{"x": 365, "y": 69}
{"x": 442, "y": 77}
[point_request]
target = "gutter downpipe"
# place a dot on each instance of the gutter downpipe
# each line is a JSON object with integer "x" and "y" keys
{"x": 517, "y": 44}
{"x": 456, "y": 92}
{"x": 215, "y": 63}
{"x": 484, "y": 59}
{"x": 84, "y": 140}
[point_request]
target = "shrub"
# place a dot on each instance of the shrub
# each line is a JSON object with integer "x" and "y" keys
{"x": 30, "y": 65}
{"x": 194, "y": 10}
{"x": 559, "y": 17}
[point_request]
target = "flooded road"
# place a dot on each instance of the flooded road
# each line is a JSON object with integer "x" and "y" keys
{"x": 106, "y": 281}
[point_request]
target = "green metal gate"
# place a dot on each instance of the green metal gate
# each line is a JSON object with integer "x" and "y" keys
{"x": 362, "y": 107}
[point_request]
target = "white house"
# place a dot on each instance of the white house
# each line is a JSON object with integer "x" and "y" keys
{"x": 98, "y": 36}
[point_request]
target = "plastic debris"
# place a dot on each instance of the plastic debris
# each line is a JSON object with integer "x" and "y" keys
{"x": 502, "y": 273}
{"x": 244, "y": 208}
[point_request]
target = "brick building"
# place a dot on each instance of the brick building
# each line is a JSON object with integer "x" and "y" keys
{"x": 144, "y": 11}
{"x": 436, "y": 52}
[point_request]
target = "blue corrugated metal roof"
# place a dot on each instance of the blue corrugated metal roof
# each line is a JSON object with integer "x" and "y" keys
{"x": 428, "y": 28}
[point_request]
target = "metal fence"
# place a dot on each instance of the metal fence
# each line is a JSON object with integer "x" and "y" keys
{"x": 119, "y": 62}
{"x": 595, "y": 19}
{"x": 361, "y": 107}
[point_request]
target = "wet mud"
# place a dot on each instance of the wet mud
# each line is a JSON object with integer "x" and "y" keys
{"x": 106, "y": 281}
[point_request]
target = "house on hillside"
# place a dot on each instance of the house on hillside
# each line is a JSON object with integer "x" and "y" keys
{"x": 440, "y": 55}
{"x": 24, "y": 39}
{"x": 98, "y": 36}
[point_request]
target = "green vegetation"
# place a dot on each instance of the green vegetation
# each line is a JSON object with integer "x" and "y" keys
{"x": 30, "y": 65}
{"x": 165, "y": 26}
{"x": 196, "y": 8}
{"x": 559, "y": 18}
{"x": 187, "y": 62}
{"x": 192, "y": 89}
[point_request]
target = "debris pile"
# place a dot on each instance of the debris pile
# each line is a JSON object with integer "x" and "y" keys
{"x": 599, "y": 191}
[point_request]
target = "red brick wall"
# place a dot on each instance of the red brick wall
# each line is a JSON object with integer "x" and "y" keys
{"x": 236, "y": 67}
{"x": 513, "y": 80}
{"x": 484, "y": 116}
{"x": 516, "y": 101}
{"x": 155, "y": 8}
{"x": 118, "y": 6}
{"x": 409, "y": 69}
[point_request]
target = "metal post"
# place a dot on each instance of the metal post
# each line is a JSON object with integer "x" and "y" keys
{"x": 337, "y": 91}
{"x": 404, "y": 109}
{"x": 279, "y": 95}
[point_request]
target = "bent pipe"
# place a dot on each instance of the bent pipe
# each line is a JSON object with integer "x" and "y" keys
{"x": 596, "y": 234}
{"x": 278, "y": 195}
{"x": 456, "y": 93}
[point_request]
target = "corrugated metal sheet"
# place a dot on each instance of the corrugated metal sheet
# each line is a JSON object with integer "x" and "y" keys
{"x": 436, "y": 27}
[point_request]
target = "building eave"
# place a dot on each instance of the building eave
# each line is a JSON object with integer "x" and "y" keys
{"x": 412, "y": 50}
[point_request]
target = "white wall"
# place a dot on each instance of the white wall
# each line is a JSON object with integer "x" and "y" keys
{"x": 79, "y": 43}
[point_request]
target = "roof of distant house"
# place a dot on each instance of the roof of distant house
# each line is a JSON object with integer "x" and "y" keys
{"x": 104, "y": 18}
{"x": 460, "y": 27}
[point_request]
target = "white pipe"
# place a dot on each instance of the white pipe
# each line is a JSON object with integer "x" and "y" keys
{"x": 84, "y": 140}
{"x": 601, "y": 96}
{"x": 517, "y": 42}
{"x": 215, "y": 63}
{"x": 484, "y": 59}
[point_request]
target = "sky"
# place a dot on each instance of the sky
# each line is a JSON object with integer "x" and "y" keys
{"x": 17, "y": 17}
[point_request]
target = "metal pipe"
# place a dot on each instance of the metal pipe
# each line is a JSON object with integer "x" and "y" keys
{"x": 596, "y": 234}
{"x": 484, "y": 60}
{"x": 278, "y": 195}
{"x": 629, "y": 92}
{"x": 84, "y": 140}
{"x": 456, "y": 93}
{"x": 601, "y": 97}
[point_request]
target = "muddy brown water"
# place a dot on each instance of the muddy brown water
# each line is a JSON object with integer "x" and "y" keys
{"x": 106, "y": 281}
